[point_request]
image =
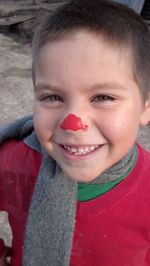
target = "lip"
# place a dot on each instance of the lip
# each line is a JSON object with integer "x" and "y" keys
{"x": 70, "y": 156}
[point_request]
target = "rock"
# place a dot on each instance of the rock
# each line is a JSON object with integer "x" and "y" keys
{"x": 23, "y": 18}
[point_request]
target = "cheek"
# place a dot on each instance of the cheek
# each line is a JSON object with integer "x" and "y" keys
{"x": 120, "y": 127}
{"x": 44, "y": 123}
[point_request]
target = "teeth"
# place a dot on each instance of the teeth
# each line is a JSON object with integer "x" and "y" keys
{"x": 80, "y": 151}
{"x": 92, "y": 148}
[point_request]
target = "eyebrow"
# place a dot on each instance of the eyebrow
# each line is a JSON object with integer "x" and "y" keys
{"x": 109, "y": 85}
{"x": 98, "y": 86}
{"x": 42, "y": 86}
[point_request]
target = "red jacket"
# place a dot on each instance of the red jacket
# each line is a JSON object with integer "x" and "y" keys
{"x": 113, "y": 229}
{"x": 19, "y": 167}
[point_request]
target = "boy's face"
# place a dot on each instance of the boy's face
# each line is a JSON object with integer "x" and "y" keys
{"x": 85, "y": 76}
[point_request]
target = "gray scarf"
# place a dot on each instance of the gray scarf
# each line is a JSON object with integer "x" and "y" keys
{"x": 51, "y": 219}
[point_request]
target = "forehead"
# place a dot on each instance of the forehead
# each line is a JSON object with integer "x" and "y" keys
{"x": 81, "y": 39}
{"x": 84, "y": 54}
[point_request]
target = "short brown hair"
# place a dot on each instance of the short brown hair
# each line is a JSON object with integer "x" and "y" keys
{"x": 117, "y": 23}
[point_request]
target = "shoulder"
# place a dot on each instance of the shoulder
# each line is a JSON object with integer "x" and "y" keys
{"x": 19, "y": 168}
{"x": 18, "y": 130}
{"x": 143, "y": 152}
{"x": 14, "y": 153}
{"x": 143, "y": 159}
{"x": 16, "y": 156}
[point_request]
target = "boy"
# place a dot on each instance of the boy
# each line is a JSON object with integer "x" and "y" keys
{"x": 90, "y": 205}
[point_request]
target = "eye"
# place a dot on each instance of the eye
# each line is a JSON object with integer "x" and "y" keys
{"x": 51, "y": 98}
{"x": 103, "y": 98}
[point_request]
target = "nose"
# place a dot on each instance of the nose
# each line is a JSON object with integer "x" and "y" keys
{"x": 73, "y": 122}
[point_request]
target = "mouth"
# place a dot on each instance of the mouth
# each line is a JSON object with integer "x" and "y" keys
{"x": 81, "y": 150}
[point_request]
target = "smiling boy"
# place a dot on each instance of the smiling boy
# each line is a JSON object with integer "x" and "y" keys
{"x": 99, "y": 86}
{"x": 90, "y": 205}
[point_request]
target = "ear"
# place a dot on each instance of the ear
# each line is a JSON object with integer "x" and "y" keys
{"x": 145, "y": 116}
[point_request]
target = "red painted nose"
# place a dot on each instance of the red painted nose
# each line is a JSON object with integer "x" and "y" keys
{"x": 72, "y": 122}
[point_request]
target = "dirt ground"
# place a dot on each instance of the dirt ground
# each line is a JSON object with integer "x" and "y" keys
{"x": 16, "y": 96}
